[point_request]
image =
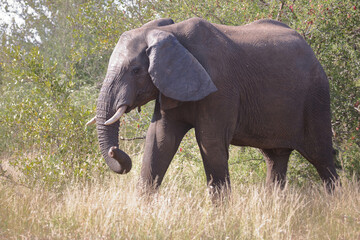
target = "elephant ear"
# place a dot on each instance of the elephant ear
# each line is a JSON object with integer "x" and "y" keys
{"x": 174, "y": 70}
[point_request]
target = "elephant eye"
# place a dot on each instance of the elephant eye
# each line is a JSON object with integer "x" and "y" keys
{"x": 135, "y": 70}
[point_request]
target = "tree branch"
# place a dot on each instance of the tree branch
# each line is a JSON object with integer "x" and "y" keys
{"x": 241, "y": 161}
{"x": 131, "y": 139}
{"x": 280, "y": 10}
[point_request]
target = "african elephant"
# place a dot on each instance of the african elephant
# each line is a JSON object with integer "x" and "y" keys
{"x": 257, "y": 85}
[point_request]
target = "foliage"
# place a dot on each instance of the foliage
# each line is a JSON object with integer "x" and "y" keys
{"x": 52, "y": 65}
{"x": 47, "y": 142}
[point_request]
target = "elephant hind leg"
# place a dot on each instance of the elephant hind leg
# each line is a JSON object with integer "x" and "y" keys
{"x": 276, "y": 161}
{"x": 317, "y": 144}
{"x": 325, "y": 166}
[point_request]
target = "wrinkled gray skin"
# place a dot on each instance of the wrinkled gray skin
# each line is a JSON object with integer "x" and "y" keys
{"x": 256, "y": 85}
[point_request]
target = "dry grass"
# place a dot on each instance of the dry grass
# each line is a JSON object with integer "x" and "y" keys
{"x": 113, "y": 209}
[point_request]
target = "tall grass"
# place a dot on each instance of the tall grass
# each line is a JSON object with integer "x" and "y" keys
{"x": 112, "y": 208}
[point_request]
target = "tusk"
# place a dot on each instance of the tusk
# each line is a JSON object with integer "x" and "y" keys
{"x": 116, "y": 116}
{"x": 92, "y": 121}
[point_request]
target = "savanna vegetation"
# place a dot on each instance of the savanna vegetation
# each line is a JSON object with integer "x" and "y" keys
{"x": 54, "y": 183}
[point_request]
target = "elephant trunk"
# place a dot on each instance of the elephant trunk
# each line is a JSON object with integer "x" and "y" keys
{"x": 108, "y": 136}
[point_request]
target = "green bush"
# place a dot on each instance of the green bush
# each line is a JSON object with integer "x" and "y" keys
{"x": 42, "y": 123}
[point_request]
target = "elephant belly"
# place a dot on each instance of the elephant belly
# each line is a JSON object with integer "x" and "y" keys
{"x": 263, "y": 143}
{"x": 279, "y": 127}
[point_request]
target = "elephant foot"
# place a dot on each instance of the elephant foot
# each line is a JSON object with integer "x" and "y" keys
{"x": 332, "y": 183}
{"x": 219, "y": 195}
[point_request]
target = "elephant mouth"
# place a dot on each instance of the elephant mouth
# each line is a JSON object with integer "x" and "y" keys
{"x": 137, "y": 105}
{"x": 129, "y": 109}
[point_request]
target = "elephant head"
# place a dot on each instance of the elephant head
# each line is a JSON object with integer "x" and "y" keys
{"x": 146, "y": 62}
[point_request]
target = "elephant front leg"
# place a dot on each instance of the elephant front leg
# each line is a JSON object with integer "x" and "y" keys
{"x": 162, "y": 141}
{"x": 215, "y": 154}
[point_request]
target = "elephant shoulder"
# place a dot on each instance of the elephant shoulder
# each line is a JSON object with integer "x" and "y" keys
{"x": 197, "y": 23}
